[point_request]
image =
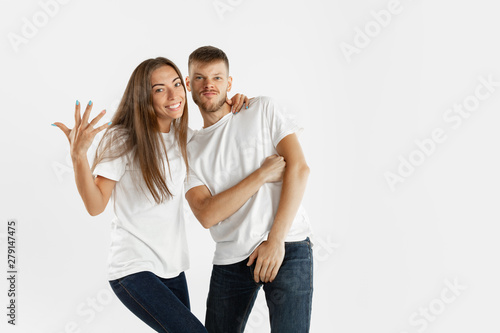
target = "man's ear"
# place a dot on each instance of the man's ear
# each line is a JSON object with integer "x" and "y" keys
{"x": 188, "y": 87}
{"x": 229, "y": 83}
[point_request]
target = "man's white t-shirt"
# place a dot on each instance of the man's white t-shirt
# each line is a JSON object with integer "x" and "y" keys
{"x": 222, "y": 155}
{"x": 146, "y": 236}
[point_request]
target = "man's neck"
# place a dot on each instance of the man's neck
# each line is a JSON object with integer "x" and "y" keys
{"x": 210, "y": 118}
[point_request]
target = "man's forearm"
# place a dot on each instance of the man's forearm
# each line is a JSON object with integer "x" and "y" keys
{"x": 213, "y": 209}
{"x": 292, "y": 192}
{"x": 269, "y": 255}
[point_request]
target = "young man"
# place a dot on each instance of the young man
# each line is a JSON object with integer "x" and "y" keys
{"x": 266, "y": 241}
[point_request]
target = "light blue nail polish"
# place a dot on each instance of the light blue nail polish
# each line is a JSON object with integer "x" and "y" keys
{"x": 110, "y": 123}
{"x": 247, "y": 106}
{"x": 90, "y": 102}
{"x": 54, "y": 125}
{"x": 77, "y": 102}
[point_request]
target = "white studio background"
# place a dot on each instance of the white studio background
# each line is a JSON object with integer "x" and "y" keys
{"x": 399, "y": 100}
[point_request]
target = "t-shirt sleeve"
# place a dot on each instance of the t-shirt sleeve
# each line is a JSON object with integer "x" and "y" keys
{"x": 112, "y": 169}
{"x": 280, "y": 122}
{"x": 190, "y": 134}
{"x": 192, "y": 180}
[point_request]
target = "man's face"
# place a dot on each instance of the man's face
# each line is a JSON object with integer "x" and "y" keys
{"x": 209, "y": 84}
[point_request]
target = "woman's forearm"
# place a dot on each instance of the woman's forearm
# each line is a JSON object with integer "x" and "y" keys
{"x": 91, "y": 194}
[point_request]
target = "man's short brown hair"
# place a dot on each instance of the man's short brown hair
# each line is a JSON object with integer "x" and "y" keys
{"x": 207, "y": 55}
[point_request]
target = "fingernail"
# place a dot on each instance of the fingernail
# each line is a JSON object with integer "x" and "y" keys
{"x": 90, "y": 102}
{"x": 77, "y": 102}
{"x": 110, "y": 123}
{"x": 54, "y": 125}
{"x": 247, "y": 106}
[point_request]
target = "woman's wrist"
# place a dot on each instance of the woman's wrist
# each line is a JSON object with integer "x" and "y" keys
{"x": 78, "y": 158}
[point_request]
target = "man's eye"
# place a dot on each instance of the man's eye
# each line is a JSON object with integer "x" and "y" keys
{"x": 217, "y": 77}
{"x": 198, "y": 78}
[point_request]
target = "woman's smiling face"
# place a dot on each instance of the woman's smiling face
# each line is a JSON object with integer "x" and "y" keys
{"x": 168, "y": 94}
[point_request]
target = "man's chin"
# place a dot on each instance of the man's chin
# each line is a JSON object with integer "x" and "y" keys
{"x": 211, "y": 107}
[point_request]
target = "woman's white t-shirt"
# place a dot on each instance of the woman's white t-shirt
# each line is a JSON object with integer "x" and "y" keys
{"x": 146, "y": 236}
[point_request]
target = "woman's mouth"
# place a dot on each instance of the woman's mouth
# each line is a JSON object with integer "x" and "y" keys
{"x": 174, "y": 107}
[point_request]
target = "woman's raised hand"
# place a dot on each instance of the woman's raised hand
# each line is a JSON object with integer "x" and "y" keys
{"x": 81, "y": 136}
{"x": 237, "y": 102}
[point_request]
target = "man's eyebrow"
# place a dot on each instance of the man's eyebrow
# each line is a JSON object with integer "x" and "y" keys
{"x": 195, "y": 74}
{"x": 162, "y": 84}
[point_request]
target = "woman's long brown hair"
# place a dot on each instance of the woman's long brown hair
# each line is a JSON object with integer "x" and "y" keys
{"x": 135, "y": 130}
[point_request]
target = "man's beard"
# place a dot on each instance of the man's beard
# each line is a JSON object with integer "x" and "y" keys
{"x": 208, "y": 106}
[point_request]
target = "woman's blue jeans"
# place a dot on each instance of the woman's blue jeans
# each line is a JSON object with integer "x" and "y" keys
{"x": 163, "y": 304}
{"x": 289, "y": 297}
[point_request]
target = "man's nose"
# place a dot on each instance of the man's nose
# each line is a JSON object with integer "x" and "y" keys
{"x": 208, "y": 83}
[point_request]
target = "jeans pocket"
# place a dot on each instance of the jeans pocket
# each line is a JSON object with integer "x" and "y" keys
{"x": 301, "y": 250}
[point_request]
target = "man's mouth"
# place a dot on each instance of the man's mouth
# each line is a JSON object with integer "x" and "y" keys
{"x": 208, "y": 93}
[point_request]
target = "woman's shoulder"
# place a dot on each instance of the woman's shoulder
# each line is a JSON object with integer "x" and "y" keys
{"x": 114, "y": 142}
{"x": 116, "y": 135}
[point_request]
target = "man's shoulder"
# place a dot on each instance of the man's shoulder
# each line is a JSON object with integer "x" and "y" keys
{"x": 262, "y": 100}
{"x": 192, "y": 137}
{"x": 266, "y": 104}
{"x": 190, "y": 134}
{"x": 260, "y": 106}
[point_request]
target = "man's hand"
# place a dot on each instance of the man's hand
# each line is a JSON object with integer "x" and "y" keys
{"x": 269, "y": 255}
{"x": 273, "y": 168}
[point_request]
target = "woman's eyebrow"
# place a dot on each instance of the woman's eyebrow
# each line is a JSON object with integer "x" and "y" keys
{"x": 162, "y": 84}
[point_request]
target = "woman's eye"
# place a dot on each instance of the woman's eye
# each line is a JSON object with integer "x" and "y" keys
{"x": 159, "y": 90}
{"x": 178, "y": 84}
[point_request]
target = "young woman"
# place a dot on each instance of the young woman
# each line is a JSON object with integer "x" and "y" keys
{"x": 142, "y": 161}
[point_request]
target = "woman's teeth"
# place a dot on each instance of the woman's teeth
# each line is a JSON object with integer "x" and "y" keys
{"x": 175, "y": 106}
